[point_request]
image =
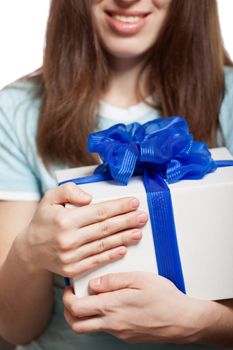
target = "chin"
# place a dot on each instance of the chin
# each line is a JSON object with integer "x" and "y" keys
{"x": 126, "y": 52}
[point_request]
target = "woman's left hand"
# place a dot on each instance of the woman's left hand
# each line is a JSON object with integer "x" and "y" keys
{"x": 138, "y": 307}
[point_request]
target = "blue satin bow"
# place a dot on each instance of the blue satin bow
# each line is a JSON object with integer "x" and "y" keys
{"x": 164, "y": 145}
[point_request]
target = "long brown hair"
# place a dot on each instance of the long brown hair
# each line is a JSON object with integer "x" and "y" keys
{"x": 186, "y": 72}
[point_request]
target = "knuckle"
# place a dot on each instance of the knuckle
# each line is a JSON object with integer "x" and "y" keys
{"x": 63, "y": 243}
{"x": 80, "y": 327}
{"x": 104, "y": 228}
{"x": 109, "y": 307}
{"x": 101, "y": 213}
{"x": 176, "y": 334}
{"x": 111, "y": 256}
{"x": 126, "y": 337}
{"x": 124, "y": 238}
{"x": 125, "y": 205}
{"x": 77, "y": 328}
{"x": 64, "y": 259}
{"x": 67, "y": 302}
{"x": 134, "y": 220}
{"x": 121, "y": 331}
{"x": 130, "y": 220}
{"x": 67, "y": 271}
{"x": 73, "y": 309}
{"x": 97, "y": 260}
{"x": 68, "y": 190}
{"x": 100, "y": 245}
{"x": 60, "y": 221}
{"x": 83, "y": 269}
{"x": 68, "y": 187}
{"x": 118, "y": 329}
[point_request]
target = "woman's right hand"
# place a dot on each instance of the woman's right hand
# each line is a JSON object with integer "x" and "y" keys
{"x": 71, "y": 241}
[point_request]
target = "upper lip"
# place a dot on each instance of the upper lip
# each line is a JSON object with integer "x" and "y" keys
{"x": 127, "y": 13}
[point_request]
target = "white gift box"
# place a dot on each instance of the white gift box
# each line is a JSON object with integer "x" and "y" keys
{"x": 203, "y": 213}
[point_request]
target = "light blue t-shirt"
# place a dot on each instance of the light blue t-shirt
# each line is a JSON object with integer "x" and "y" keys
{"x": 24, "y": 177}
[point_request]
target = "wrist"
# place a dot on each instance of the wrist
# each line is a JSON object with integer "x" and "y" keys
{"x": 202, "y": 315}
{"x": 24, "y": 254}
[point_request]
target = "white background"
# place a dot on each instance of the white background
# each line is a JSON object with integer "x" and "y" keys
{"x": 22, "y": 29}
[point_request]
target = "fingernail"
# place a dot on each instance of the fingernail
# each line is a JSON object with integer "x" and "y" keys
{"x": 96, "y": 282}
{"x": 142, "y": 218}
{"x": 134, "y": 203}
{"x": 136, "y": 235}
{"x": 122, "y": 251}
{"x": 84, "y": 195}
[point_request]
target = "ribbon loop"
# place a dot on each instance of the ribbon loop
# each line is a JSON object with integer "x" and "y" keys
{"x": 162, "y": 144}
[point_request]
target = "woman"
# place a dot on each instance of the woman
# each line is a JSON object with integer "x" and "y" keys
{"x": 106, "y": 61}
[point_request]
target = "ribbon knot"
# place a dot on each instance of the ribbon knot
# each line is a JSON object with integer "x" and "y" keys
{"x": 163, "y": 145}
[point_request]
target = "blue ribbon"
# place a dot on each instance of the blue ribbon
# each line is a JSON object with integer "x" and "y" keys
{"x": 163, "y": 151}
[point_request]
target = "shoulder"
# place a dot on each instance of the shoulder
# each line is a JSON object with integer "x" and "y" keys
{"x": 228, "y": 91}
{"x": 228, "y": 80}
{"x": 226, "y": 110}
{"x": 18, "y": 99}
{"x": 19, "y": 113}
{"x": 228, "y": 73}
{"x": 19, "y": 91}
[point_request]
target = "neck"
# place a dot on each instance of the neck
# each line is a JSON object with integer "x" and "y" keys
{"x": 123, "y": 85}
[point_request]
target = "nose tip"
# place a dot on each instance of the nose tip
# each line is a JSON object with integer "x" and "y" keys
{"x": 127, "y": 1}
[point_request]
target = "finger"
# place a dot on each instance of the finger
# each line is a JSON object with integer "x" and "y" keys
{"x": 82, "y": 307}
{"x": 81, "y": 326}
{"x": 115, "y": 281}
{"x": 119, "y": 223}
{"x": 93, "y": 213}
{"x": 93, "y": 262}
{"x": 69, "y": 297}
{"x": 126, "y": 238}
{"x": 69, "y": 317}
{"x": 68, "y": 193}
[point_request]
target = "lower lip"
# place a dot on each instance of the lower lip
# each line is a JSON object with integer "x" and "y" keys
{"x": 124, "y": 28}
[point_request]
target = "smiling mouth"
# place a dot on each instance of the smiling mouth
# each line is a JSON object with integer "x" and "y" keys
{"x": 126, "y": 16}
{"x": 126, "y": 23}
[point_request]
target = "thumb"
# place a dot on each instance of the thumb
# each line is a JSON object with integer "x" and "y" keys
{"x": 115, "y": 281}
{"x": 68, "y": 193}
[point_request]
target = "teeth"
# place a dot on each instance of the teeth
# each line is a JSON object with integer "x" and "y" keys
{"x": 127, "y": 19}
